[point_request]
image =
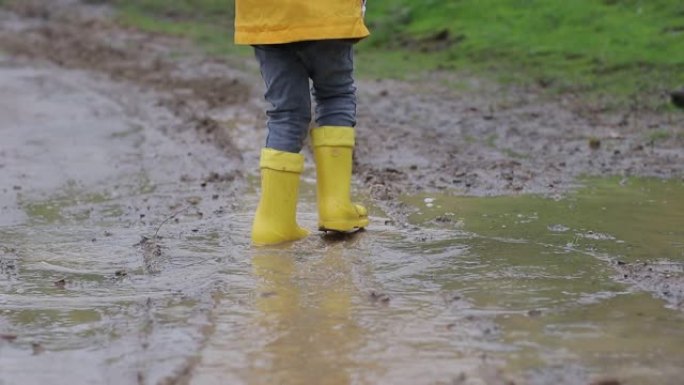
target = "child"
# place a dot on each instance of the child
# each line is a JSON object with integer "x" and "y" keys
{"x": 294, "y": 41}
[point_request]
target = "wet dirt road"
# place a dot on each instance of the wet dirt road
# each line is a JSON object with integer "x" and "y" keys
{"x": 86, "y": 174}
{"x": 126, "y": 199}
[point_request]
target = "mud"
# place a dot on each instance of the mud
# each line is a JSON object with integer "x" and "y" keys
{"x": 420, "y": 135}
{"x": 94, "y": 172}
{"x": 504, "y": 142}
{"x": 128, "y": 167}
{"x": 665, "y": 279}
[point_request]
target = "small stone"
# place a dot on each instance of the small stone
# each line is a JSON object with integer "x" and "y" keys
{"x": 594, "y": 143}
{"x": 607, "y": 381}
{"x": 37, "y": 348}
{"x": 8, "y": 337}
{"x": 678, "y": 98}
{"x": 379, "y": 297}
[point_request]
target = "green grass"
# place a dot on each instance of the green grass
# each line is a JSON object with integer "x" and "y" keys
{"x": 611, "y": 48}
{"x": 208, "y": 22}
{"x": 614, "y": 46}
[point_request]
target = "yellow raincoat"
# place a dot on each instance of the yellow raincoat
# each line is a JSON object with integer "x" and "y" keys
{"x": 287, "y": 21}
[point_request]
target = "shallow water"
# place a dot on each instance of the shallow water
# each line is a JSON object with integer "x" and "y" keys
{"x": 519, "y": 284}
{"x": 552, "y": 271}
{"x": 472, "y": 291}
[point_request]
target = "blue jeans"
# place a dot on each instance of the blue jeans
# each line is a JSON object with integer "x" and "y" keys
{"x": 287, "y": 68}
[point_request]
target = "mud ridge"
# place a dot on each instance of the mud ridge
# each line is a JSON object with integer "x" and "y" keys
{"x": 665, "y": 280}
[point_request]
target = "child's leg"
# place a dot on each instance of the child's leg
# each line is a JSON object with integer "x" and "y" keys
{"x": 287, "y": 90}
{"x": 331, "y": 69}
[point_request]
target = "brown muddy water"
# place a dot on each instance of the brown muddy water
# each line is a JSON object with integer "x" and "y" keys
{"x": 536, "y": 290}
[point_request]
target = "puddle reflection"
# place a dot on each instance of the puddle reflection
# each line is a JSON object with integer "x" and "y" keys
{"x": 306, "y": 309}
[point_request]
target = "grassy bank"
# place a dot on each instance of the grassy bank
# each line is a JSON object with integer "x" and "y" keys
{"x": 618, "y": 48}
{"x": 615, "y": 46}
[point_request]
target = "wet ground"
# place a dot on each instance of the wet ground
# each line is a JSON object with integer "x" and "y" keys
{"x": 128, "y": 185}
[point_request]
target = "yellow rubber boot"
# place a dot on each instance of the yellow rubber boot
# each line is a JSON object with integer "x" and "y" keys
{"x": 275, "y": 220}
{"x": 333, "y": 148}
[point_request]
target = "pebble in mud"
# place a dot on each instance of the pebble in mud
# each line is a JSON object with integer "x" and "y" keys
{"x": 608, "y": 381}
{"x": 37, "y": 348}
{"x": 8, "y": 262}
{"x": 678, "y": 98}
{"x": 268, "y": 294}
{"x": 379, "y": 298}
{"x": 8, "y": 337}
{"x": 594, "y": 143}
{"x": 151, "y": 254}
{"x": 120, "y": 273}
{"x": 445, "y": 218}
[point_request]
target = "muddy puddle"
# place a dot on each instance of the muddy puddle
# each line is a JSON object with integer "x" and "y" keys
{"x": 125, "y": 256}
{"x": 473, "y": 291}
{"x": 589, "y": 283}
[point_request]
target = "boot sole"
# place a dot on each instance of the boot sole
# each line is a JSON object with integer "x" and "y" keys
{"x": 343, "y": 226}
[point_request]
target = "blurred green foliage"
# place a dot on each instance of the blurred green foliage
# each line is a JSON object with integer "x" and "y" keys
{"x": 600, "y": 47}
{"x": 619, "y": 45}
{"x": 208, "y": 22}
{"x": 213, "y": 10}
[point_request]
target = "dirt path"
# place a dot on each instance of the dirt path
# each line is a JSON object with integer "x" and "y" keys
{"x": 110, "y": 135}
{"x": 415, "y": 136}
{"x": 86, "y": 173}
